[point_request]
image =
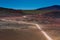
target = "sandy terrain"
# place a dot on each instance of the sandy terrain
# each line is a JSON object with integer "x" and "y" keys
{"x": 53, "y": 30}
{"x": 24, "y": 32}
{"x": 21, "y": 34}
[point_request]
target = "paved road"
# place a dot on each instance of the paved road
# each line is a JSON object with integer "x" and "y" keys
{"x": 38, "y": 26}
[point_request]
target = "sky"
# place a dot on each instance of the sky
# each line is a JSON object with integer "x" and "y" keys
{"x": 28, "y": 4}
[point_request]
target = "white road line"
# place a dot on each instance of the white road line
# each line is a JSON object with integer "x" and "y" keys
{"x": 43, "y": 32}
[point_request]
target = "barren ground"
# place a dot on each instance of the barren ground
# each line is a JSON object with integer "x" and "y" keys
{"x": 53, "y": 30}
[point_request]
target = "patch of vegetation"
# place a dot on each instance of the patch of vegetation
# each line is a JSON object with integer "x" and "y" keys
{"x": 35, "y": 11}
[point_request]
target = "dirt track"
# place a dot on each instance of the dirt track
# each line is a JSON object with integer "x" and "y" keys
{"x": 27, "y": 34}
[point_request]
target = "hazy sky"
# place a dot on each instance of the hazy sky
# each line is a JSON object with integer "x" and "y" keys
{"x": 28, "y": 4}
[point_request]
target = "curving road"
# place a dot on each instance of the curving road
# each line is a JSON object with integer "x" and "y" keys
{"x": 37, "y": 25}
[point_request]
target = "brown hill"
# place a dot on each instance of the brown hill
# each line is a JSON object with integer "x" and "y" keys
{"x": 54, "y": 14}
{"x": 6, "y": 12}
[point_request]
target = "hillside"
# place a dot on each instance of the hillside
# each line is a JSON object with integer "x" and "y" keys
{"x": 43, "y": 10}
{"x": 4, "y": 12}
{"x": 54, "y": 7}
{"x": 54, "y": 14}
{"x": 14, "y": 12}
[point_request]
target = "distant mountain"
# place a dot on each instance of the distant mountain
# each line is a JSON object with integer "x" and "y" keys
{"x": 54, "y": 7}
{"x": 9, "y": 12}
{"x": 14, "y": 12}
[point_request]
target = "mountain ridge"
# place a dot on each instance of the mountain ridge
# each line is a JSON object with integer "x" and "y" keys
{"x": 54, "y": 7}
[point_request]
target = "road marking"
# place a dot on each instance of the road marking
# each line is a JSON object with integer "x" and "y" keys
{"x": 45, "y": 34}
